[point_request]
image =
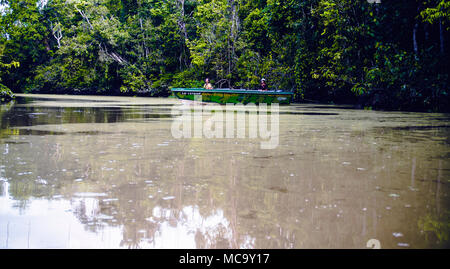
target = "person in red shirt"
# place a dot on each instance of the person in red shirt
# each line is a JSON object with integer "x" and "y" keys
{"x": 263, "y": 85}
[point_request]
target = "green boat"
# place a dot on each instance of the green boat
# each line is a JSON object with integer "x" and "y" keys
{"x": 224, "y": 96}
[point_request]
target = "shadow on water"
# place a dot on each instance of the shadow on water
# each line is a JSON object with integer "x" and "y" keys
{"x": 309, "y": 113}
{"x": 328, "y": 107}
{"x": 28, "y": 100}
{"x": 17, "y": 116}
{"x": 428, "y": 127}
{"x": 43, "y": 132}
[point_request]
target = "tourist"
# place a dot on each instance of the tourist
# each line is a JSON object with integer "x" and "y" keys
{"x": 263, "y": 85}
{"x": 207, "y": 85}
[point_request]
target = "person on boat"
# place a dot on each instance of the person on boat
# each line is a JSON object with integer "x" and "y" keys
{"x": 208, "y": 85}
{"x": 263, "y": 85}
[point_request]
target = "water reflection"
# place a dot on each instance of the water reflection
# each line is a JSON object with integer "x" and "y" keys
{"x": 107, "y": 173}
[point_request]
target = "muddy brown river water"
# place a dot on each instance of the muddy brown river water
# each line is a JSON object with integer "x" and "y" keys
{"x": 106, "y": 172}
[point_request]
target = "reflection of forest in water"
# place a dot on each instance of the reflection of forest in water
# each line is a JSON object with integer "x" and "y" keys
{"x": 336, "y": 187}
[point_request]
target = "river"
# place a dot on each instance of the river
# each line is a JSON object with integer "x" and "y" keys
{"x": 106, "y": 172}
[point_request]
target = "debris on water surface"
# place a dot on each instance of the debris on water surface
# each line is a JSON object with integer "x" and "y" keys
{"x": 89, "y": 194}
{"x": 110, "y": 200}
{"x": 397, "y": 234}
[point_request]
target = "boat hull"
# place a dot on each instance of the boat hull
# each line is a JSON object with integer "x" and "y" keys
{"x": 225, "y": 96}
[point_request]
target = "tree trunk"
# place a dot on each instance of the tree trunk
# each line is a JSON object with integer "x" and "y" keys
{"x": 416, "y": 49}
{"x": 145, "y": 49}
{"x": 416, "y": 27}
{"x": 182, "y": 27}
{"x": 234, "y": 18}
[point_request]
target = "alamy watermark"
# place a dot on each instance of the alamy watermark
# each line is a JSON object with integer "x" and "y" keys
{"x": 198, "y": 120}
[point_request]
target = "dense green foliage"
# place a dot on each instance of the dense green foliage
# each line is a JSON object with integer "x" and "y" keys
{"x": 388, "y": 55}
